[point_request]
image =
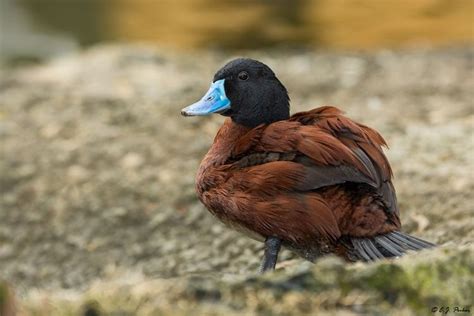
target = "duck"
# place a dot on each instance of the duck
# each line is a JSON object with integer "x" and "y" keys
{"x": 315, "y": 182}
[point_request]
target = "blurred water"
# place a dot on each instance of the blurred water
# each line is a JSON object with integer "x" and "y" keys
{"x": 42, "y": 27}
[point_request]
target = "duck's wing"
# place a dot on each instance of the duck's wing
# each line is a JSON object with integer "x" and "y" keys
{"x": 321, "y": 148}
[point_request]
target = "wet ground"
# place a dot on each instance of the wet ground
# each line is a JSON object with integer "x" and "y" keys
{"x": 98, "y": 209}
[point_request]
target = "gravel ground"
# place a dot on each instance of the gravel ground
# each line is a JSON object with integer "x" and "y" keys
{"x": 98, "y": 180}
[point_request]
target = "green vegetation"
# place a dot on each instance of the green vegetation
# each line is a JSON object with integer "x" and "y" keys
{"x": 408, "y": 286}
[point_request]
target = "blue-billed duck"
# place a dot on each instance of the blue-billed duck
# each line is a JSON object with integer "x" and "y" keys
{"x": 315, "y": 182}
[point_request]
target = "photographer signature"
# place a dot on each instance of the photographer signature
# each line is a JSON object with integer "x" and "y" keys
{"x": 447, "y": 309}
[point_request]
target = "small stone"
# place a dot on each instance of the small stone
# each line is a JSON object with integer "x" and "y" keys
{"x": 132, "y": 160}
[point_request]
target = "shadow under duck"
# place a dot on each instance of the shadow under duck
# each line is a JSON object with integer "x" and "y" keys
{"x": 315, "y": 182}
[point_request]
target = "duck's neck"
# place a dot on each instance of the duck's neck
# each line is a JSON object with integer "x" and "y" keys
{"x": 224, "y": 142}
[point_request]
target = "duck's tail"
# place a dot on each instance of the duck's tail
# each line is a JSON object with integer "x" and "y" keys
{"x": 393, "y": 244}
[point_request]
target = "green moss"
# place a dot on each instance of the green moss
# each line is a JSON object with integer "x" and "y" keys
{"x": 407, "y": 286}
{"x": 3, "y": 295}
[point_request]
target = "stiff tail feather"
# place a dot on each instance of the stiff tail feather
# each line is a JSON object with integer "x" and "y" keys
{"x": 393, "y": 244}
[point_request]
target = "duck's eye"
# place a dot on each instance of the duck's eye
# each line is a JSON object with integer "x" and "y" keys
{"x": 243, "y": 75}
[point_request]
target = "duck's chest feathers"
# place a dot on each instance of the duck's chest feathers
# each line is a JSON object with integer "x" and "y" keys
{"x": 213, "y": 171}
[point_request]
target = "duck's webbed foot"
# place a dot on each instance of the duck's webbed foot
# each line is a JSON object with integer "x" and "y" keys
{"x": 270, "y": 255}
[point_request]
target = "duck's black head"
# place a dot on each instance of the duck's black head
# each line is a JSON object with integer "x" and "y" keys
{"x": 246, "y": 90}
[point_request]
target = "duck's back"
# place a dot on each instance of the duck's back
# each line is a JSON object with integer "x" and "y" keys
{"x": 319, "y": 181}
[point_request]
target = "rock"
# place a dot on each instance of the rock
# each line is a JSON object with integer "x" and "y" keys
{"x": 132, "y": 161}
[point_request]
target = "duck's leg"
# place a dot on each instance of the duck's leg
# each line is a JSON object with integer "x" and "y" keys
{"x": 270, "y": 254}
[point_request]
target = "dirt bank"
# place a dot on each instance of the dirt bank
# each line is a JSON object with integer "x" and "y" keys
{"x": 98, "y": 172}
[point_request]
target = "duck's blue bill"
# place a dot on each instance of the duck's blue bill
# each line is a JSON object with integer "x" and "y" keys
{"x": 214, "y": 101}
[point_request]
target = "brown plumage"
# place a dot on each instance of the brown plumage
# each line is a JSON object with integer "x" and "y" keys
{"x": 317, "y": 182}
